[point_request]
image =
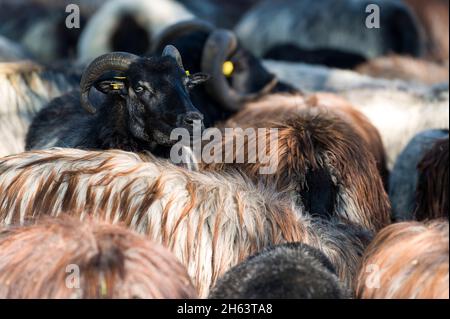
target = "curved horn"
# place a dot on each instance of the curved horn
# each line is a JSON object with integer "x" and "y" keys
{"x": 173, "y": 52}
{"x": 115, "y": 61}
{"x": 219, "y": 47}
{"x": 170, "y": 33}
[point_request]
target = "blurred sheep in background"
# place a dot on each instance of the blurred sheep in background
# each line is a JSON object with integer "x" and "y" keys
{"x": 410, "y": 174}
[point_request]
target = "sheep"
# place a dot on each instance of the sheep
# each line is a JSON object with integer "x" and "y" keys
{"x": 360, "y": 123}
{"x": 65, "y": 258}
{"x": 434, "y": 18}
{"x": 405, "y": 175}
{"x": 407, "y": 260}
{"x": 397, "y": 109}
{"x": 210, "y": 221}
{"x": 139, "y": 111}
{"x": 25, "y": 87}
{"x": 128, "y": 25}
{"x": 40, "y": 26}
{"x": 289, "y": 271}
{"x": 332, "y": 25}
{"x": 236, "y": 75}
{"x": 338, "y": 105}
{"x": 405, "y": 68}
{"x": 432, "y": 188}
{"x": 320, "y": 156}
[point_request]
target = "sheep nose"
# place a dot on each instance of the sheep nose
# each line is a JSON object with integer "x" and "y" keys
{"x": 191, "y": 117}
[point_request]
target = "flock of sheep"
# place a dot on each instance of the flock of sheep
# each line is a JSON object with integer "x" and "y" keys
{"x": 93, "y": 206}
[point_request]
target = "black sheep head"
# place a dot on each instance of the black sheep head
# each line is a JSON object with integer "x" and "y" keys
{"x": 237, "y": 75}
{"x": 154, "y": 92}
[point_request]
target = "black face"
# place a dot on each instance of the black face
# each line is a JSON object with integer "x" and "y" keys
{"x": 319, "y": 195}
{"x": 156, "y": 93}
{"x": 190, "y": 46}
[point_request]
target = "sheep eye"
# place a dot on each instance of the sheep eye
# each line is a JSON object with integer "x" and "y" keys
{"x": 139, "y": 89}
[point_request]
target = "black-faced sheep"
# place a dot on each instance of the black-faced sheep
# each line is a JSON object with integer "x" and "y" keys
{"x": 128, "y": 25}
{"x": 333, "y": 25}
{"x": 25, "y": 87}
{"x": 237, "y": 77}
{"x": 65, "y": 258}
{"x": 289, "y": 271}
{"x": 321, "y": 155}
{"x": 142, "y": 106}
{"x": 406, "y": 178}
{"x": 210, "y": 221}
{"x": 407, "y": 260}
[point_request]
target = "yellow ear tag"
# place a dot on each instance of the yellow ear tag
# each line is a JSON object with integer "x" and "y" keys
{"x": 228, "y": 68}
{"x": 188, "y": 73}
{"x": 116, "y": 86}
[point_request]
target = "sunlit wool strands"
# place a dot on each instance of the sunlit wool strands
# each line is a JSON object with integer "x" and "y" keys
{"x": 407, "y": 260}
{"x": 209, "y": 221}
{"x": 433, "y": 184}
{"x": 322, "y": 160}
{"x": 24, "y": 88}
{"x": 65, "y": 258}
{"x": 359, "y": 122}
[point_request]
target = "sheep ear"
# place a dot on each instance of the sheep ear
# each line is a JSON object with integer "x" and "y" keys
{"x": 198, "y": 78}
{"x": 114, "y": 86}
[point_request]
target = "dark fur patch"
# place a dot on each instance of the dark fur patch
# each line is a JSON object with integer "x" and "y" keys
{"x": 130, "y": 36}
{"x": 319, "y": 194}
{"x": 432, "y": 194}
{"x": 294, "y": 271}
